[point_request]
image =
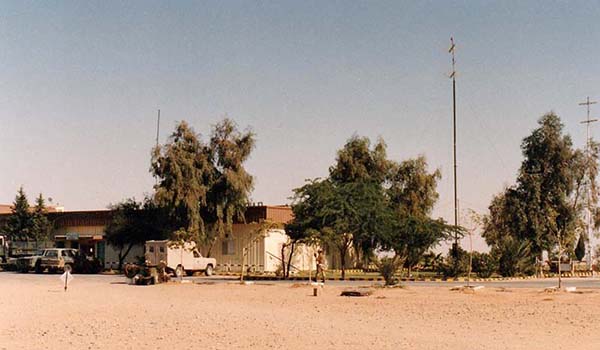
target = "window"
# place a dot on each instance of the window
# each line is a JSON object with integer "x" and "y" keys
{"x": 196, "y": 254}
{"x": 151, "y": 249}
{"x": 161, "y": 249}
{"x": 51, "y": 253}
{"x": 228, "y": 246}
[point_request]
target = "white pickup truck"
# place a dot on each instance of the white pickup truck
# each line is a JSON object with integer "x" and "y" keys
{"x": 180, "y": 260}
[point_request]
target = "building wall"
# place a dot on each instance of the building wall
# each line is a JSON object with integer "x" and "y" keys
{"x": 93, "y": 236}
{"x": 264, "y": 250}
{"x": 274, "y": 240}
{"x": 111, "y": 256}
{"x": 228, "y": 250}
{"x": 303, "y": 259}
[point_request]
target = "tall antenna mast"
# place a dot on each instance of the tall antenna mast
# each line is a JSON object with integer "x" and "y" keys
{"x": 157, "y": 127}
{"x": 587, "y": 123}
{"x": 157, "y": 133}
{"x": 453, "y": 77}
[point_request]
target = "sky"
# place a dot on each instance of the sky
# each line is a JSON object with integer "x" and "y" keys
{"x": 81, "y": 83}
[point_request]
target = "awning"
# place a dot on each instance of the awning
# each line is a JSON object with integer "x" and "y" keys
{"x": 77, "y": 237}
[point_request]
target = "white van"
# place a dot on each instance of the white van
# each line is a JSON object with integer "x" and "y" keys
{"x": 180, "y": 260}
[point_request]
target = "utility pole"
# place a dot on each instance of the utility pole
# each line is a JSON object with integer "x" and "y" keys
{"x": 588, "y": 155}
{"x": 453, "y": 77}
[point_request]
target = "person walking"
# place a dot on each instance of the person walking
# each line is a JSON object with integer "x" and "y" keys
{"x": 321, "y": 262}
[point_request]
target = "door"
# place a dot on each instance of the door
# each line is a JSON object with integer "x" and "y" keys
{"x": 101, "y": 251}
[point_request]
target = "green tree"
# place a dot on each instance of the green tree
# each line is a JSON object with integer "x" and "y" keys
{"x": 357, "y": 161}
{"x": 412, "y": 195}
{"x": 547, "y": 186}
{"x": 369, "y": 202}
{"x": 337, "y": 213}
{"x": 133, "y": 223}
{"x": 365, "y": 168}
{"x": 185, "y": 171}
{"x": 412, "y": 189}
{"x": 204, "y": 186}
{"x": 543, "y": 209}
{"x": 229, "y": 192}
{"x": 41, "y": 228}
{"x": 410, "y": 237}
{"x": 20, "y": 225}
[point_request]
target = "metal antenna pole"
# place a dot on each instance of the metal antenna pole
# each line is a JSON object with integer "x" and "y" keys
{"x": 157, "y": 133}
{"x": 157, "y": 127}
{"x": 453, "y": 76}
{"x": 587, "y": 123}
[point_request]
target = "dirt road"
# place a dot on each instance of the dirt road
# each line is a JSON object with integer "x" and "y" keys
{"x": 104, "y": 313}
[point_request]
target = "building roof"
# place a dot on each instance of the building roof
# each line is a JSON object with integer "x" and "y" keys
{"x": 7, "y": 209}
{"x": 258, "y": 213}
{"x": 274, "y": 213}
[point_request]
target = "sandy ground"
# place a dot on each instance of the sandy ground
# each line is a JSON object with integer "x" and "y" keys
{"x": 103, "y": 313}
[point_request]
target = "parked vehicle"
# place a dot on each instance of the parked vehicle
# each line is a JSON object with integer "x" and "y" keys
{"x": 56, "y": 259}
{"x": 179, "y": 260}
{"x": 3, "y": 249}
{"x": 25, "y": 264}
{"x": 12, "y": 250}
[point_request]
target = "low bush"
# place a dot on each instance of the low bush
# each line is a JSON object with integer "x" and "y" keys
{"x": 484, "y": 264}
{"x": 455, "y": 263}
{"x": 387, "y": 268}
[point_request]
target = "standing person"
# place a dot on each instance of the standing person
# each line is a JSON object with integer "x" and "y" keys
{"x": 321, "y": 262}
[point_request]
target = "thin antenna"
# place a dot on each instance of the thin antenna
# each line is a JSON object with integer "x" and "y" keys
{"x": 157, "y": 127}
{"x": 453, "y": 77}
{"x": 157, "y": 134}
{"x": 587, "y": 123}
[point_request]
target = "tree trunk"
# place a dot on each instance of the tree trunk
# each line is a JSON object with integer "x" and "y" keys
{"x": 210, "y": 247}
{"x": 122, "y": 255}
{"x": 121, "y": 258}
{"x": 343, "y": 261}
{"x": 289, "y": 263}
{"x": 359, "y": 257}
{"x": 283, "y": 274}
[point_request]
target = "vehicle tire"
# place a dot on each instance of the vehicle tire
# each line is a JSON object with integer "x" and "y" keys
{"x": 38, "y": 267}
{"x": 209, "y": 270}
{"x": 179, "y": 271}
{"x": 22, "y": 268}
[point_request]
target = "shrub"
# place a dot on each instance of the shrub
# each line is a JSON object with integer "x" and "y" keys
{"x": 514, "y": 257}
{"x": 484, "y": 264}
{"x": 455, "y": 264}
{"x": 387, "y": 268}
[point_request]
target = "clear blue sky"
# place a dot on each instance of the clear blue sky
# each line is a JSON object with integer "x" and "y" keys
{"x": 81, "y": 82}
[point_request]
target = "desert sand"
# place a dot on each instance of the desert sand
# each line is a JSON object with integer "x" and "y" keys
{"x": 101, "y": 312}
